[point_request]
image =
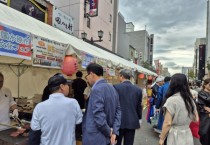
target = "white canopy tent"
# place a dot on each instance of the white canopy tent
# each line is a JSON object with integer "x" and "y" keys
{"x": 21, "y": 21}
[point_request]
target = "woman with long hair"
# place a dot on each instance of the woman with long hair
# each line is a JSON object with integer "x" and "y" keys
{"x": 179, "y": 110}
{"x": 204, "y": 112}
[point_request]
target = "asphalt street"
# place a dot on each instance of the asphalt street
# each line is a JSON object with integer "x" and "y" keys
{"x": 145, "y": 135}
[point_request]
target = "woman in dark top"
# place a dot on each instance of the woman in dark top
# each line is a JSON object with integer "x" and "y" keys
{"x": 204, "y": 113}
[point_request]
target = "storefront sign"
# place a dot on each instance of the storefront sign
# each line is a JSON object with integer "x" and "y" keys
{"x": 62, "y": 21}
{"x": 93, "y": 8}
{"x": 14, "y": 42}
{"x": 48, "y": 53}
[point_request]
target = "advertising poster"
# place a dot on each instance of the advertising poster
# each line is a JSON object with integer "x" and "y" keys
{"x": 87, "y": 59}
{"x": 48, "y": 53}
{"x": 14, "y": 43}
{"x": 93, "y": 8}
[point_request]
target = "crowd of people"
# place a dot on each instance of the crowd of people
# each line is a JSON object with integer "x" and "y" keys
{"x": 114, "y": 112}
{"x": 182, "y": 108}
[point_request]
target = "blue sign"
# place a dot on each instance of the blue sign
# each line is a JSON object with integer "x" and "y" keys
{"x": 14, "y": 43}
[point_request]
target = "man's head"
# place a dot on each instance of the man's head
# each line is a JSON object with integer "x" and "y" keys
{"x": 79, "y": 74}
{"x": 58, "y": 84}
{"x": 125, "y": 74}
{"x": 159, "y": 80}
{"x": 94, "y": 73}
{"x": 1, "y": 80}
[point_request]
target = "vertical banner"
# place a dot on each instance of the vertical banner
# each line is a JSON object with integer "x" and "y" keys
{"x": 14, "y": 42}
{"x": 48, "y": 53}
{"x": 157, "y": 65}
{"x": 93, "y": 8}
{"x": 201, "y": 63}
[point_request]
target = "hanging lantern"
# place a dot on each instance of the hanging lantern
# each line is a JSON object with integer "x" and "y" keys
{"x": 149, "y": 77}
{"x": 141, "y": 76}
{"x": 69, "y": 66}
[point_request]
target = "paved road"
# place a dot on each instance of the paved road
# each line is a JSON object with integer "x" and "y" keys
{"x": 146, "y": 135}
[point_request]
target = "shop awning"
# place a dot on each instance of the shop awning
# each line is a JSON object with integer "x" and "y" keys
{"x": 24, "y": 22}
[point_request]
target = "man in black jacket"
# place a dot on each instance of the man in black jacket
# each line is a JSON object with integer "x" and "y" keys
{"x": 130, "y": 103}
{"x": 79, "y": 86}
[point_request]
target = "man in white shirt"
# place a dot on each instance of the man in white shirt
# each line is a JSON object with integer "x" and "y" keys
{"x": 7, "y": 103}
{"x": 54, "y": 120}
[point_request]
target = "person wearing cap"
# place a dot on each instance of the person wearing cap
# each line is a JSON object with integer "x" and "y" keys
{"x": 101, "y": 121}
{"x": 7, "y": 103}
{"x": 54, "y": 120}
{"x": 152, "y": 101}
{"x": 130, "y": 103}
{"x": 79, "y": 86}
{"x": 160, "y": 100}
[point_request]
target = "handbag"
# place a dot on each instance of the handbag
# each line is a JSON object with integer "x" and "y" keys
{"x": 154, "y": 119}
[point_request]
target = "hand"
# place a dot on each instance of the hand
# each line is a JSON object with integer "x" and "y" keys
{"x": 140, "y": 122}
{"x": 207, "y": 109}
{"x": 113, "y": 139}
{"x": 111, "y": 132}
{"x": 161, "y": 142}
{"x": 15, "y": 113}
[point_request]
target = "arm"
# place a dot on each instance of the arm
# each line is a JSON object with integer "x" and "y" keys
{"x": 159, "y": 98}
{"x": 117, "y": 119}
{"x": 78, "y": 113}
{"x": 99, "y": 115}
{"x": 139, "y": 106}
{"x": 35, "y": 133}
{"x": 116, "y": 125}
{"x": 166, "y": 127}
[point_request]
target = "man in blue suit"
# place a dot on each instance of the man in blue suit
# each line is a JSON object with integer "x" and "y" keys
{"x": 130, "y": 102}
{"x": 101, "y": 121}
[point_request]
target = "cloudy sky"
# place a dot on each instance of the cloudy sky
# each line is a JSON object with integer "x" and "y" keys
{"x": 175, "y": 23}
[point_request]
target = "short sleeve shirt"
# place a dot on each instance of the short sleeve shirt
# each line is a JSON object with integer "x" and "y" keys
{"x": 57, "y": 118}
{"x": 6, "y": 101}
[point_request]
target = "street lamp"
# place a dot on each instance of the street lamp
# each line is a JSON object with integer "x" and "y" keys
{"x": 100, "y": 35}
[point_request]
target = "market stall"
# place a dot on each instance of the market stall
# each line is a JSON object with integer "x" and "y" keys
{"x": 43, "y": 49}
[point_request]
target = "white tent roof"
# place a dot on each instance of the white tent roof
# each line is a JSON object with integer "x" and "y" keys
{"x": 24, "y": 22}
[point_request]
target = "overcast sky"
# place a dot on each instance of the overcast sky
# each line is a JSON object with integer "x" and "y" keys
{"x": 175, "y": 24}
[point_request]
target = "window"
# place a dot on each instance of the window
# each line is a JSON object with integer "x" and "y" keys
{"x": 88, "y": 22}
{"x": 110, "y": 18}
{"x": 110, "y": 36}
{"x": 110, "y": 1}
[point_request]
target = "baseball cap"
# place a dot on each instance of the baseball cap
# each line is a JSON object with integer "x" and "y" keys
{"x": 159, "y": 79}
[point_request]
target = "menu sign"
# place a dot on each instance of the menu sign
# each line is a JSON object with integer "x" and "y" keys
{"x": 48, "y": 53}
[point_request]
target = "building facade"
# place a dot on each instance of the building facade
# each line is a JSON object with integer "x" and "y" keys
{"x": 86, "y": 21}
{"x": 141, "y": 41}
{"x": 200, "y": 58}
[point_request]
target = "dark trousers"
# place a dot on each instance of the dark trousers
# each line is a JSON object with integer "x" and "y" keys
{"x": 128, "y": 136}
